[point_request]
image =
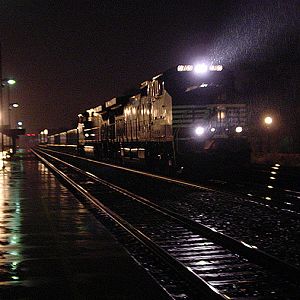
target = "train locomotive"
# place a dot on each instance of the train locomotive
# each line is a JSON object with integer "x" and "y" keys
{"x": 185, "y": 116}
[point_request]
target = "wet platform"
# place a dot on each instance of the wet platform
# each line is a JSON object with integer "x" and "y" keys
{"x": 51, "y": 247}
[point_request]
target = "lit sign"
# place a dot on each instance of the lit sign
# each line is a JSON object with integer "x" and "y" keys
{"x": 111, "y": 102}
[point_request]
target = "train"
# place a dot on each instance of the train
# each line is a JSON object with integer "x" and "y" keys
{"x": 183, "y": 117}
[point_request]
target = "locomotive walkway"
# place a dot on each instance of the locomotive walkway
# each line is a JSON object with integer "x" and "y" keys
{"x": 51, "y": 247}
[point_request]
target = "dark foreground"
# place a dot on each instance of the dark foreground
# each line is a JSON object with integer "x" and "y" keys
{"x": 52, "y": 247}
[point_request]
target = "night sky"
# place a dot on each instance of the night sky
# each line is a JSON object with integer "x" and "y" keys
{"x": 68, "y": 56}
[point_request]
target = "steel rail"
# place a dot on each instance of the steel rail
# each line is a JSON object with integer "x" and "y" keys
{"x": 252, "y": 199}
{"x": 252, "y": 253}
{"x": 200, "y": 286}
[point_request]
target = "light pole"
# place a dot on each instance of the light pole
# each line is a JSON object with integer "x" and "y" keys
{"x": 10, "y": 107}
{"x": 6, "y": 82}
{"x": 268, "y": 120}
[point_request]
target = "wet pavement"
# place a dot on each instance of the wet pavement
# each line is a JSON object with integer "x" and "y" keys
{"x": 52, "y": 247}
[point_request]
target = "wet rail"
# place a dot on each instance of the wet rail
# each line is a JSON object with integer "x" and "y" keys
{"x": 213, "y": 263}
{"x": 267, "y": 227}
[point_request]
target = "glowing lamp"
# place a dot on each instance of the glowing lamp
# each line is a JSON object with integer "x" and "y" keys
{"x": 11, "y": 81}
{"x": 201, "y": 68}
{"x": 238, "y": 129}
{"x": 268, "y": 120}
{"x": 199, "y": 130}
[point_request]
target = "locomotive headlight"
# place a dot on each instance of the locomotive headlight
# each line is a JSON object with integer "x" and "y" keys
{"x": 201, "y": 68}
{"x": 238, "y": 129}
{"x": 199, "y": 130}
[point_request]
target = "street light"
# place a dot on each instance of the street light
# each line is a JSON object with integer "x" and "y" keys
{"x": 13, "y": 105}
{"x": 268, "y": 120}
{"x": 20, "y": 124}
{"x": 5, "y": 82}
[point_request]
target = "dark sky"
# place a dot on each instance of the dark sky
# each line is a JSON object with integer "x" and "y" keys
{"x": 68, "y": 56}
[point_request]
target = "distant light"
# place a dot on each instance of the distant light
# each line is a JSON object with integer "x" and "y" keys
{"x": 238, "y": 129}
{"x": 46, "y": 131}
{"x": 270, "y": 187}
{"x": 273, "y": 178}
{"x": 277, "y": 165}
{"x": 15, "y": 105}
{"x": 86, "y": 135}
{"x": 213, "y": 129}
{"x": 268, "y": 198}
{"x": 201, "y": 68}
{"x": 11, "y": 81}
{"x": 268, "y": 120}
{"x": 20, "y": 123}
{"x": 217, "y": 68}
{"x": 199, "y": 130}
{"x": 185, "y": 68}
{"x": 221, "y": 115}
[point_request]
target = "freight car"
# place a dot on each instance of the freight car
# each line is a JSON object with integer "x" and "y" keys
{"x": 183, "y": 117}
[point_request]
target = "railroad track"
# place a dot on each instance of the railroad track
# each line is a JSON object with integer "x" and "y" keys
{"x": 214, "y": 265}
{"x": 277, "y": 197}
{"x": 269, "y": 228}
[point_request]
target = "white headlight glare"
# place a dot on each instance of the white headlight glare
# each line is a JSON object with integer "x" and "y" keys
{"x": 199, "y": 130}
{"x": 201, "y": 68}
{"x": 238, "y": 129}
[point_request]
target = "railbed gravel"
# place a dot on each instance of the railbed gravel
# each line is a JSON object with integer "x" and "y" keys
{"x": 272, "y": 230}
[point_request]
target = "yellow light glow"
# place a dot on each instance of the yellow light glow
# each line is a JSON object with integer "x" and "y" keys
{"x": 221, "y": 115}
{"x": 268, "y": 120}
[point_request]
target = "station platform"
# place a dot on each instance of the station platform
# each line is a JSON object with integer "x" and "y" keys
{"x": 51, "y": 247}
